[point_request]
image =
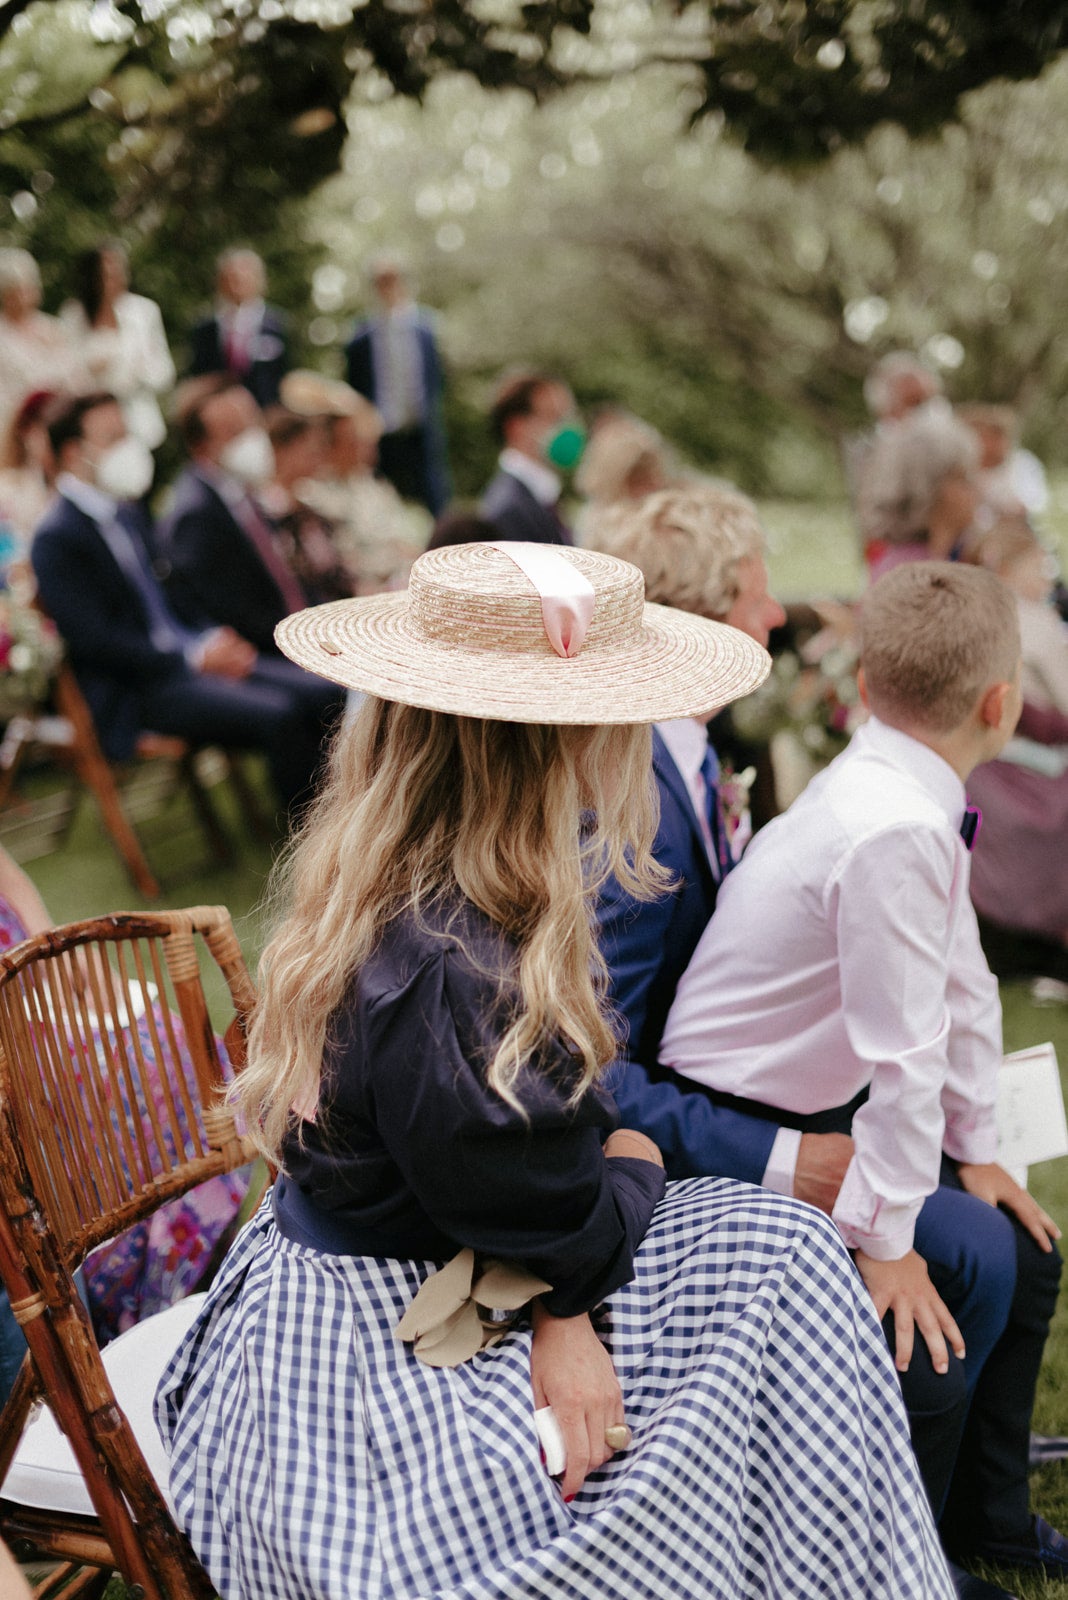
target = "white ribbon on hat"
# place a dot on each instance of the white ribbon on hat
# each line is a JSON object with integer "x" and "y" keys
{"x": 567, "y": 595}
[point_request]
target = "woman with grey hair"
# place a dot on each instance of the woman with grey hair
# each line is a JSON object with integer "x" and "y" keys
{"x": 918, "y": 495}
{"x": 35, "y": 349}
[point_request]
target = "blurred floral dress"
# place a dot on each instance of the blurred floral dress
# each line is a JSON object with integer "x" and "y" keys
{"x": 165, "y": 1257}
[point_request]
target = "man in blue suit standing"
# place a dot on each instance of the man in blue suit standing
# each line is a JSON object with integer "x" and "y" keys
{"x": 243, "y": 337}
{"x": 392, "y": 359}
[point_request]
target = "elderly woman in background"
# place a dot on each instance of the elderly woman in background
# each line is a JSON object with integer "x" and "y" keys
{"x": 26, "y": 469}
{"x": 35, "y": 349}
{"x": 918, "y": 493}
{"x": 121, "y": 340}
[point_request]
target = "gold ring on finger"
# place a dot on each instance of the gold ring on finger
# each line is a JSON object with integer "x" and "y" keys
{"x": 618, "y": 1437}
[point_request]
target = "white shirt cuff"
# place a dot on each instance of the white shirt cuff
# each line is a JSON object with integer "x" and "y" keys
{"x": 782, "y": 1163}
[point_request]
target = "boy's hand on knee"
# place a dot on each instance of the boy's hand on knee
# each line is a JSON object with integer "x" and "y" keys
{"x": 822, "y": 1160}
{"x": 904, "y": 1287}
{"x": 989, "y": 1182}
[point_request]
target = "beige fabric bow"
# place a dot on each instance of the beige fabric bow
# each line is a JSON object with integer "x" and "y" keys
{"x": 451, "y": 1318}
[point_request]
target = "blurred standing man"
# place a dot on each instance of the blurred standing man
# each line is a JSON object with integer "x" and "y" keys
{"x": 536, "y": 421}
{"x": 244, "y": 337}
{"x": 392, "y": 359}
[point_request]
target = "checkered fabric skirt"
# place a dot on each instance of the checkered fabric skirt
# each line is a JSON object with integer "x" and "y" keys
{"x": 313, "y": 1458}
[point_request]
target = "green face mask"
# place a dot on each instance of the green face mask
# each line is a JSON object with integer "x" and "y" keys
{"x": 564, "y": 447}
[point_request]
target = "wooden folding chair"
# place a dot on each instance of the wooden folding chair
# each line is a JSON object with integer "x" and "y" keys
{"x": 91, "y": 1143}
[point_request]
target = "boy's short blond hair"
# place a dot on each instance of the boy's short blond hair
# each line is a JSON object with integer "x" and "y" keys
{"x": 933, "y": 636}
{"x": 688, "y": 543}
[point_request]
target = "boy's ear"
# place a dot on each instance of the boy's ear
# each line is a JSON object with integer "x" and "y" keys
{"x": 992, "y": 704}
{"x": 862, "y": 689}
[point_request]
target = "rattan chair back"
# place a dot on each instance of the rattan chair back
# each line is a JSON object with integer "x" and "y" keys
{"x": 111, "y": 1104}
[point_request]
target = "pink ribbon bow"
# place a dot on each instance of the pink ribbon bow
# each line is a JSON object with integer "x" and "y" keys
{"x": 567, "y": 596}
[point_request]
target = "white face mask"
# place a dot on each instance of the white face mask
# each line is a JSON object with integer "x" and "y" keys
{"x": 125, "y": 471}
{"x": 249, "y": 457}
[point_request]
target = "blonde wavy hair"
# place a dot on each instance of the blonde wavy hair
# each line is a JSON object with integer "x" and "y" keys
{"x": 420, "y": 808}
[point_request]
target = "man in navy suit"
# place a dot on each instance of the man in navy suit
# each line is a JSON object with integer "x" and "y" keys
{"x": 139, "y": 666}
{"x": 244, "y": 337}
{"x": 392, "y": 359}
{"x": 535, "y": 420}
{"x": 703, "y": 551}
{"x": 224, "y": 559}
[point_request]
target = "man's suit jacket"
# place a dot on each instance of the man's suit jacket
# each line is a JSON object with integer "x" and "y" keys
{"x": 215, "y": 570}
{"x": 270, "y": 355}
{"x": 647, "y": 946}
{"x": 518, "y": 514}
{"x": 102, "y": 618}
{"x": 361, "y": 370}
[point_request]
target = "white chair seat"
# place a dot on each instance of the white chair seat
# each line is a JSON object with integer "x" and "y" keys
{"x": 44, "y": 1473}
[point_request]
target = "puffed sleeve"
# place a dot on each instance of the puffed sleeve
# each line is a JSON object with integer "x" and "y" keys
{"x": 535, "y": 1188}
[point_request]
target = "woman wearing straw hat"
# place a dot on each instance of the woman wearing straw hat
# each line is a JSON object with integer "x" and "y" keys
{"x": 462, "y": 1240}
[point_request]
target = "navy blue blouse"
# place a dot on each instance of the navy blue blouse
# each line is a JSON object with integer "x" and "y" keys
{"x": 412, "y": 1156}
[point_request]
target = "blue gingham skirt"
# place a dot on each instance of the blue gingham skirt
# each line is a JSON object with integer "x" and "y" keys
{"x": 313, "y": 1458}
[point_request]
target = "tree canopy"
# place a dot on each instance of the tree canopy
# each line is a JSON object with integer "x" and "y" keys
{"x": 721, "y": 246}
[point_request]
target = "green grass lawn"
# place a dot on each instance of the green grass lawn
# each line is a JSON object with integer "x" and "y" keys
{"x": 812, "y": 552}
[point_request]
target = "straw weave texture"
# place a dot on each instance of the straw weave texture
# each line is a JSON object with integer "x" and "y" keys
{"x": 468, "y": 637}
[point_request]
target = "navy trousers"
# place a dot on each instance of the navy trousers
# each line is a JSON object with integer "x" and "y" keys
{"x": 287, "y": 713}
{"x": 989, "y": 1496}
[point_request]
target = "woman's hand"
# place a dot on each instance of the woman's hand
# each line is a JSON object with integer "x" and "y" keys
{"x": 989, "y": 1182}
{"x": 571, "y": 1370}
{"x": 629, "y": 1142}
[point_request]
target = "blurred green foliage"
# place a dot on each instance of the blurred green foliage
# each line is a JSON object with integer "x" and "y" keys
{"x": 614, "y": 188}
{"x": 734, "y": 305}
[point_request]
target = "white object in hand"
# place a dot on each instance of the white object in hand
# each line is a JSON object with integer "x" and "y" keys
{"x": 551, "y": 1439}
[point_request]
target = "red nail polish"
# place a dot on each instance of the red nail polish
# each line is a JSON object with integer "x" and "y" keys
{"x": 568, "y": 1499}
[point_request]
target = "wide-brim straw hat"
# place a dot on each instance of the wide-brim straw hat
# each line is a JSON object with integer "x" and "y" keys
{"x": 468, "y": 636}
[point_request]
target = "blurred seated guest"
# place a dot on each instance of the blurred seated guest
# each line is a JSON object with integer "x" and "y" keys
{"x": 226, "y": 560}
{"x": 26, "y": 469}
{"x": 919, "y": 494}
{"x": 392, "y": 359}
{"x": 35, "y": 349}
{"x": 306, "y": 540}
{"x": 378, "y": 534}
{"x": 1009, "y": 477}
{"x": 121, "y": 339}
{"x": 900, "y": 384}
{"x": 161, "y": 1259}
{"x": 624, "y": 459}
{"x": 461, "y": 527}
{"x": 244, "y": 337}
{"x": 536, "y": 421}
{"x": 139, "y": 666}
{"x": 1019, "y": 869}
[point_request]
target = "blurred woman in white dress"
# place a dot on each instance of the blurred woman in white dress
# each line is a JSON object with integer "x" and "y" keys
{"x": 121, "y": 339}
{"x": 36, "y": 351}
